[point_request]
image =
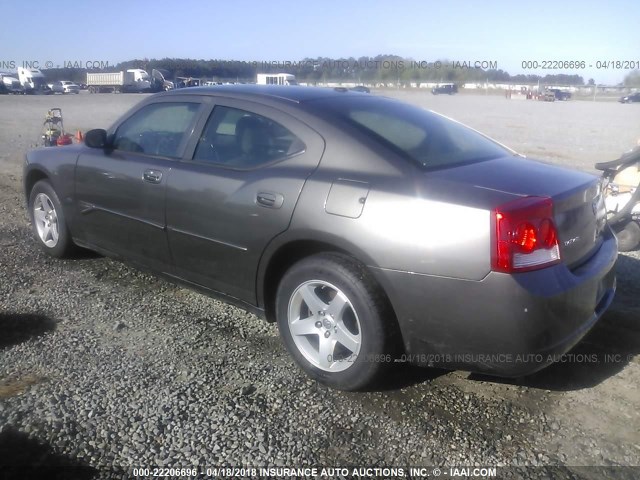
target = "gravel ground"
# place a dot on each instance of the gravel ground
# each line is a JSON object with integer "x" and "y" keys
{"x": 102, "y": 366}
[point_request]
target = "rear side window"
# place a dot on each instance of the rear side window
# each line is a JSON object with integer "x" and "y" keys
{"x": 240, "y": 139}
{"x": 397, "y": 131}
{"x": 425, "y": 138}
{"x": 157, "y": 129}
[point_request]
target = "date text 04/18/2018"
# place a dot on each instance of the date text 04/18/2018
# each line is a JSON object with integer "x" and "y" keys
{"x": 580, "y": 64}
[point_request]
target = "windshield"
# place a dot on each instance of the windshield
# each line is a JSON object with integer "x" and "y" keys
{"x": 426, "y": 138}
{"x": 159, "y": 75}
{"x": 141, "y": 75}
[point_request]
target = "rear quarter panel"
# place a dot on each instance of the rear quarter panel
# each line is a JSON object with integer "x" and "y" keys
{"x": 406, "y": 222}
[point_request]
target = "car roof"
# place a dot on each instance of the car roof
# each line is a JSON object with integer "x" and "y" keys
{"x": 289, "y": 93}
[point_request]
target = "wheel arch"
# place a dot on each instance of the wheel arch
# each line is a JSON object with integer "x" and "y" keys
{"x": 32, "y": 177}
{"x": 284, "y": 253}
{"x": 60, "y": 183}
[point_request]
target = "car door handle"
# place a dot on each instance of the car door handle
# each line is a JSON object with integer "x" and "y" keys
{"x": 152, "y": 176}
{"x": 269, "y": 200}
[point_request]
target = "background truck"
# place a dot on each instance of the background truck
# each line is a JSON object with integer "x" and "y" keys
{"x": 33, "y": 80}
{"x": 10, "y": 84}
{"x": 276, "y": 79}
{"x": 134, "y": 80}
{"x": 159, "y": 80}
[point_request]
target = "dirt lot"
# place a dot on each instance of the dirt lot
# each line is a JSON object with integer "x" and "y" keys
{"x": 102, "y": 366}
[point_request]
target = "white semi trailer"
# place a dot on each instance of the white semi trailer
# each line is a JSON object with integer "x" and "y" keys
{"x": 276, "y": 79}
{"x": 134, "y": 80}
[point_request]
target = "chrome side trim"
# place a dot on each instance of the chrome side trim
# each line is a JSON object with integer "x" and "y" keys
{"x": 220, "y": 242}
{"x": 86, "y": 208}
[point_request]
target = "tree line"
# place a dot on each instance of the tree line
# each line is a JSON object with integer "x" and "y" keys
{"x": 368, "y": 70}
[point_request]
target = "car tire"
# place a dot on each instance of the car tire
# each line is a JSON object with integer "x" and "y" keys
{"x": 335, "y": 321}
{"x": 628, "y": 237}
{"x": 48, "y": 221}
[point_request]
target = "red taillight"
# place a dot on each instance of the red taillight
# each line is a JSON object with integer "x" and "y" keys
{"x": 524, "y": 236}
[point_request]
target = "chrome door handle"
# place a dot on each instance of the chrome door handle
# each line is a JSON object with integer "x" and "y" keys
{"x": 269, "y": 199}
{"x": 152, "y": 176}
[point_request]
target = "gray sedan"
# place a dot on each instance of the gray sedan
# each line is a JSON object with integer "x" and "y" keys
{"x": 373, "y": 232}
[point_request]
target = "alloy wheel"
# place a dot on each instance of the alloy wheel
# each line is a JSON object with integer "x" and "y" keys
{"x": 46, "y": 220}
{"x": 324, "y": 326}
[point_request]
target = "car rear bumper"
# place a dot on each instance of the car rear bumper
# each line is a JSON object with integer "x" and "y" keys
{"x": 505, "y": 325}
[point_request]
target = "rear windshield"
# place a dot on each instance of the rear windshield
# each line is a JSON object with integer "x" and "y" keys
{"x": 426, "y": 138}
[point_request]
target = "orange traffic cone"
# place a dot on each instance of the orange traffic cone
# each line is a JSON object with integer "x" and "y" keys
{"x": 79, "y": 137}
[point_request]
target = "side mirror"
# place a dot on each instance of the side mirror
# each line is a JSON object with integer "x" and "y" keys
{"x": 96, "y": 138}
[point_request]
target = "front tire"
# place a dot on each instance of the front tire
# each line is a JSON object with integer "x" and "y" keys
{"x": 334, "y": 321}
{"x": 48, "y": 221}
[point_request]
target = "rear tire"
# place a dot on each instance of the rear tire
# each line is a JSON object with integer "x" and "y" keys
{"x": 48, "y": 221}
{"x": 335, "y": 322}
{"x": 628, "y": 237}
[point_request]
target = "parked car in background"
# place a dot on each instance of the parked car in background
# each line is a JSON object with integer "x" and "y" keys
{"x": 445, "y": 88}
{"x": 631, "y": 98}
{"x": 65, "y": 86}
{"x": 361, "y": 88}
{"x": 547, "y": 96}
{"x": 356, "y": 222}
{"x": 187, "y": 82}
{"x": 560, "y": 94}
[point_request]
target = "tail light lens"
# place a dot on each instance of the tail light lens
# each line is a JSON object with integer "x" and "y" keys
{"x": 524, "y": 236}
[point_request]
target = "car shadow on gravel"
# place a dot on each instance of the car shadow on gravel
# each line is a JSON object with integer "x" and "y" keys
{"x": 607, "y": 349}
{"x": 22, "y": 457}
{"x": 402, "y": 375}
{"x": 84, "y": 254}
{"x": 16, "y": 328}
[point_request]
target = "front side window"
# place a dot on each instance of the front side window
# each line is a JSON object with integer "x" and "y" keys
{"x": 157, "y": 129}
{"x": 241, "y": 139}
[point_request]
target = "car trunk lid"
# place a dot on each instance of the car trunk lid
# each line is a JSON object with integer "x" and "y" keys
{"x": 578, "y": 203}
